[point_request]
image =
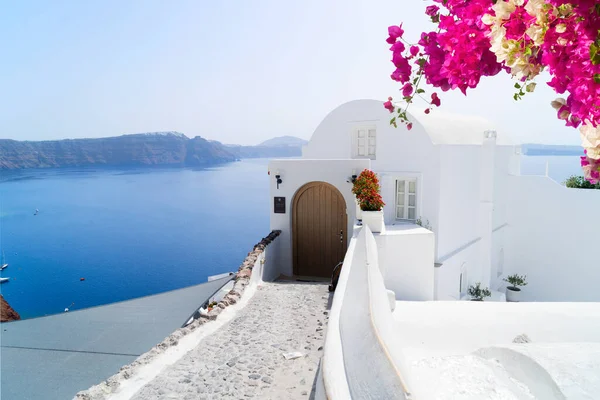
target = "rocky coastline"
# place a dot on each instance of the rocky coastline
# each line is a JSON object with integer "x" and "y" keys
{"x": 7, "y": 313}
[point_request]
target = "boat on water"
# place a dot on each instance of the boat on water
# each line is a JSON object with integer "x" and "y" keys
{"x": 36, "y": 212}
{"x": 2, "y": 280}
{"x": 3, "y": 266}
{"x": 3, "y": 262}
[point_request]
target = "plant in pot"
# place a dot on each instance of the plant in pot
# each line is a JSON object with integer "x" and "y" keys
{"x": 513, "y": 293}
{"x": 367, "y": 188}
{"x": 478, "y": 293}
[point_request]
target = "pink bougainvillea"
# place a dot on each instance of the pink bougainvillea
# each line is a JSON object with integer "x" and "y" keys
{"x": 479, "y": 38}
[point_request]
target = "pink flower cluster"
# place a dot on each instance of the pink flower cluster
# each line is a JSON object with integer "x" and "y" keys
{"x": 591, "y": 168}
{"x": 478, "y": 38}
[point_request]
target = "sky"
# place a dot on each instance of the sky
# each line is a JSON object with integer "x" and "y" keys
{"x": 237, "y": 71}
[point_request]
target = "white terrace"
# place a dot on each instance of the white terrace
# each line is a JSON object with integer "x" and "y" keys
{"x": 482, "y": 221}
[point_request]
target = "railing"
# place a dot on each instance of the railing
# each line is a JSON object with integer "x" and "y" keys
{"x": 363, "y": 358}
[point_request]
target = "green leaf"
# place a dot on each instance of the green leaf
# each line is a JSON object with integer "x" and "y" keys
{"x": 597, "y": 78}
{"x": 516, "y": 97}
{"x": 393, "y": 121}
{"x": 419, "y": 91}
{"x": 517, "y": 86}
{"x": 530, "y": 87}
{"x": 594, "y": 54}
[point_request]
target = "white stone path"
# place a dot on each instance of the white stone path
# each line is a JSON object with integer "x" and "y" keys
{"x": 244, "y": 359}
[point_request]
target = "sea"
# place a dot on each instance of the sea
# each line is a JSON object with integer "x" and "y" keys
{"x": 127, "y": 232}
{"x": 136, "y": 232}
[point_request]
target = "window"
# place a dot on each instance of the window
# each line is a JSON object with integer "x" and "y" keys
{"x": 365, "y": 143}
{"x": 406, "y": 199}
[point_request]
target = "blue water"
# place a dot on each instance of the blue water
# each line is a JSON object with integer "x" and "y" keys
{"x": 559, "y": 167}
{"x": 129, "y": 233}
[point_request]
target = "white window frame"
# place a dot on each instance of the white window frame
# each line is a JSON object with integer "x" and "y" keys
{"x": 368, "y": 140}
{"x": 406, "y": 198}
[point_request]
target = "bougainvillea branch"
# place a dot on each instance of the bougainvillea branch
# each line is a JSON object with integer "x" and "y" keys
{"x": 477, "y": 38}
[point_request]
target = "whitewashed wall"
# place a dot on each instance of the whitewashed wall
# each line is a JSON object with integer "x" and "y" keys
{"x": 400, "y": 153}
{"x": 460, "y": 247}
{"x": 553, "y": 238}
{"x": 296, "y": 173}
{"x": 507, "y": 164}
{"x": 406, "y": 256}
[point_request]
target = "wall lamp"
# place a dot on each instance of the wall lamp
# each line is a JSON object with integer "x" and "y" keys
{"x": 278, "y": 178}
{"x": 352, "y": 179}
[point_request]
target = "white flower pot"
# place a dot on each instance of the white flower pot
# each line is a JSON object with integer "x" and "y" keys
{"x": 358, "y": 210}
{"x": 513, "y": 294}
{"x": 374, "y": 220}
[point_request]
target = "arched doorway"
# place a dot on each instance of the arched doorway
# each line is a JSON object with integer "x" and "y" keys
{"x": 319, "y": 229}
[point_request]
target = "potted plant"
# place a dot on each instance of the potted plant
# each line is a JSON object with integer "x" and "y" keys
{"x": 513, "y": 293}
{"x": 366, "y": 188}
{"x": 477, "y": 293}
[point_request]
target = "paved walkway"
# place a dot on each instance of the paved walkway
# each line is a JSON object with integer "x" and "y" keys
{"x": 244, "y": 359}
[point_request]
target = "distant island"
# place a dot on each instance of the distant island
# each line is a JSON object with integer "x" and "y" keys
{"x": 282, "y": 146}
{"x": 167, "y": 149}
{"x": 533, "y": 149}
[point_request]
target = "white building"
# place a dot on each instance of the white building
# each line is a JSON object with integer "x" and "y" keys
{"x": 484, "y": 221}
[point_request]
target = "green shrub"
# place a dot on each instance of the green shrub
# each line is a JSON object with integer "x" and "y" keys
{"x": 579, "y": 182}
{"x": 478, "y": 293}
{"x": 516, "y": 280}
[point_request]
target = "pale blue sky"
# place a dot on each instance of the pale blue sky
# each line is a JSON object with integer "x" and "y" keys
{"x": 238, "y": 71}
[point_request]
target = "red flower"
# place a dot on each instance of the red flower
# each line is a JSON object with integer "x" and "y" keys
{"x": 366, "y": 188}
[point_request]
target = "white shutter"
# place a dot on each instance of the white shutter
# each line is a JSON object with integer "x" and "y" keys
{"x": 372, "y": 142}
{"x": 361, "y": 143}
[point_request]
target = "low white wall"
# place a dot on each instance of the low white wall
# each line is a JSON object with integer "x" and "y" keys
{"x": 332, "y": 372}
{"x": 381, "y": 313}
{"x": 295, "y": 173}
{"x": 269, "y": 271}
{"x": 406, "y": 255}
{"x": 554, "y": 239}
{"x": 362, "y": 259}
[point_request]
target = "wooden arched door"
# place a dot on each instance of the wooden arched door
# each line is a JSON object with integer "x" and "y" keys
{"x": 319, "y": 229}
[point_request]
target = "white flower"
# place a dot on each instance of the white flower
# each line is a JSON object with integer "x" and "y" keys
{"x": 558, "y": 103}
{"x": 590, "y": 140}
{"x": 561, "y": 28}
{"x": 535, "y": 8}
{"x": 488, "y": 19}
{"x": 504, "y": 9}
{"x": 536, "y": 33}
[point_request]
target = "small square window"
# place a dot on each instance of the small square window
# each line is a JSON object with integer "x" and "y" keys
{"x": 364, "y": 143}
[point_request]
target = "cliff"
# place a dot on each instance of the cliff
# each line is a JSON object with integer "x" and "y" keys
{"x": 6, "y": 311}
{"x": 265, "y": 151}
{"x": 146, "y": 149}
{"x": 282, "y": 146}
{"x": 284, "y": 141}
